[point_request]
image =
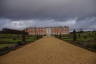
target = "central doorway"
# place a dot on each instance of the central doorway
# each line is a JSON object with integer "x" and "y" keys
{"x": 48, "y": 31}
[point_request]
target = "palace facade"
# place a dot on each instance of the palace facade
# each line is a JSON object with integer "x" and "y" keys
{"x": 47, "y": 30}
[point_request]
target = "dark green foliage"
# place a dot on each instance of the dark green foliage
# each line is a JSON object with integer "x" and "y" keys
{"x": 74, "y": 35}
{"x": 23, "y": 37}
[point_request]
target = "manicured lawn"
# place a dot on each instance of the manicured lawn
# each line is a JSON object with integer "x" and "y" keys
{"x": 9, "y": 40}
{"x": 12, "y": 39}
{"x": 6, "y": 45}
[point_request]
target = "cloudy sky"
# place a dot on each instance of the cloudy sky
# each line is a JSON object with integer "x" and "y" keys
{"x": 19, "y": 14}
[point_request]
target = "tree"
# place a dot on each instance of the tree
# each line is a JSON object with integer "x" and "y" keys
{"x": 23, "y": 36}
{"x": 74, "y": 35}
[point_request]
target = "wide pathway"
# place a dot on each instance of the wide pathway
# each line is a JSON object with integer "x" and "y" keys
{"x": 49, "y": 50}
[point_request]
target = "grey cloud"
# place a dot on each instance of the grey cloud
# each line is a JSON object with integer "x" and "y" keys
{"x": 21, "y": 24}
{"x": 48, "y": 13}
{"x": 48, "y": 8}
{"x": 88, "y": 23}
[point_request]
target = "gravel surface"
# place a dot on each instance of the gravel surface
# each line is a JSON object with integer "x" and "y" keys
{"x": 49, "y": 50}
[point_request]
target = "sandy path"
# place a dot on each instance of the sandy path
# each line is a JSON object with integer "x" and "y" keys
{"x": 49, "y": 51}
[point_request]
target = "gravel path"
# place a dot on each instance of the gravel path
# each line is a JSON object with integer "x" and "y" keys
{"x": 49, "y": 50}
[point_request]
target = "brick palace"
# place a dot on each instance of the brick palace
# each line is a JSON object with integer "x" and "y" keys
{"x": 47, "y": 30}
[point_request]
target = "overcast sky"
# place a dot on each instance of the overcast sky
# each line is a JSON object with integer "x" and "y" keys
{"x": 19, "y": 14}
